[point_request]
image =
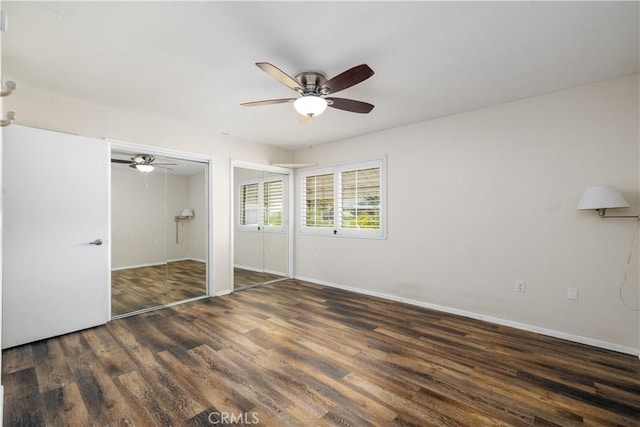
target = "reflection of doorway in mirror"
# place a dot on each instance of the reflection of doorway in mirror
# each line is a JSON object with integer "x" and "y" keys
{"x": 159, "y": 234}
{"x": 261, "y": 227}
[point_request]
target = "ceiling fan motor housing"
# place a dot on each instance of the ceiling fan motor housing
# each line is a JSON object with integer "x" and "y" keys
{"x": 143, "y": 159}
{"x": 312, "y": 81}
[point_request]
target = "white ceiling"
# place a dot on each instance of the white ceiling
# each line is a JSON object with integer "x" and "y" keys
{"x": 194, "y": 62}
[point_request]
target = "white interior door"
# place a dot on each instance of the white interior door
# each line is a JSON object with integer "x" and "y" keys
{"x": 56, "y": 208}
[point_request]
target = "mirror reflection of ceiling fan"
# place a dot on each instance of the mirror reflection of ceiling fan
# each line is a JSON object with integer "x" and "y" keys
{"x": 144, "y": 163}
{"x": 314, "y": 89}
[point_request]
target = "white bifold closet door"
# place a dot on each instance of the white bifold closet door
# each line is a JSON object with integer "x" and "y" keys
{"x": 56, "y": 231}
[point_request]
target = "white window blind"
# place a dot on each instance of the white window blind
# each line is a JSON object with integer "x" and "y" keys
{"x": 249, "y": 213}
{"x": 273, "y": 203}
{"x": 318, "y": 207}
{"x": 359, "y": 205}
{"x": 346, "y": 200}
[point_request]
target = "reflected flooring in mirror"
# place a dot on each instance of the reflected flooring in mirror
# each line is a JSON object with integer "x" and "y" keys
{"x": 243, "y": 278}
{"x": 136, "y": 289}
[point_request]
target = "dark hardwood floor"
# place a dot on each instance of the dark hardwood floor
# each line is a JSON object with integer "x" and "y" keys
{"x": 242, "y": 277}
{"x": 135, "y": 289}
{"x": 300, "y": 354}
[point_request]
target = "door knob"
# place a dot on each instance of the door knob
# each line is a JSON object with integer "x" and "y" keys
{"x": 96, "y": 242}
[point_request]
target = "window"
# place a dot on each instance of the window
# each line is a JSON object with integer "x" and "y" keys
{"x": 273, "y": 203}
{"x": 360, "y": 198}
{"x": 346, "y": 200}
{"x": 249, "y": 204}
{"x": 261, "y": 205}
{"x": 318, "y": 209}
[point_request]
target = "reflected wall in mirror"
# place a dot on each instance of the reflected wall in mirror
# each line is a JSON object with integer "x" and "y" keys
{"x": 261, "y": 234}
{"x": 158, "y": 254}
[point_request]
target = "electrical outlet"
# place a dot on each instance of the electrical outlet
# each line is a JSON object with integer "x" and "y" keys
{"x": 520, "y": 286}
{"x": 572, "y": 294}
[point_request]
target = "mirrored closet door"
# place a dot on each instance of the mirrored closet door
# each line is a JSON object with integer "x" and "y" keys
{"x": 158, "y": 231}
{"x": 261, "y": 233}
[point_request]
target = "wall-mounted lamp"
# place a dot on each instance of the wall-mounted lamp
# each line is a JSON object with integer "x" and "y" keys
{"x": 186, "y": 214}
{"x": 601, "y": 198}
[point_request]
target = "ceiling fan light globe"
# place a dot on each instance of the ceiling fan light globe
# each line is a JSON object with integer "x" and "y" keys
{"x": 145, "y": 168}
{"x": 310, "y": 105}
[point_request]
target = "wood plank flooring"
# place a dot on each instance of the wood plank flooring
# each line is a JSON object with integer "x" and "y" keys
{"x": 299, "y": 354}
{"x": 135, "y": 289}
{"x": 242, "y": 277}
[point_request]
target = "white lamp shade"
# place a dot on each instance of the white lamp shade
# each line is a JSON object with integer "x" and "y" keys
{"x": 187, "y": 212}
{"x": 601, "y": 197}
{"x": 144, "y": 168}
{"x": 310, "y": 105}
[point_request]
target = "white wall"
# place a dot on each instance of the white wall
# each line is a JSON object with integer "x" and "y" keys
{"x": 143, "y": 210}
{"x": 46, "y": 111}
{"x": 138, "y": 226}
{"x": 481, "y": 199}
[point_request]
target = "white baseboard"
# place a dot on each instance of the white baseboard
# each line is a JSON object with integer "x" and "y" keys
{"x": 257, "y": 270}
{"x": 186, "y": 259}
{"x": 245, "y": 267}
{"x": 222, "y": 293}
{"x": 154, "y": 264}
{"x": 517, "y": 325}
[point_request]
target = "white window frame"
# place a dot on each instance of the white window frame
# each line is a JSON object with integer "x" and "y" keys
{"x": 260, "y": 226}
{"x": 337, "y": 230}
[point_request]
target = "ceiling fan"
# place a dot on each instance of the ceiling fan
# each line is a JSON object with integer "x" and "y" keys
{"x": 143, "y": 162}
{"x": 314, "y": 88}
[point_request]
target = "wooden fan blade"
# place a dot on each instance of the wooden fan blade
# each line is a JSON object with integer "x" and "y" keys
{"x": 120, "y": 161}
{"x": 350, "y": 105}
{"x": 280, "y": 76}
{"x": 267, "y": 102}
{"x": 349, "y": 78}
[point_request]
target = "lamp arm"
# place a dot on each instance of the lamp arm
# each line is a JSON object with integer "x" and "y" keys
{"x": 601, "y": 213}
